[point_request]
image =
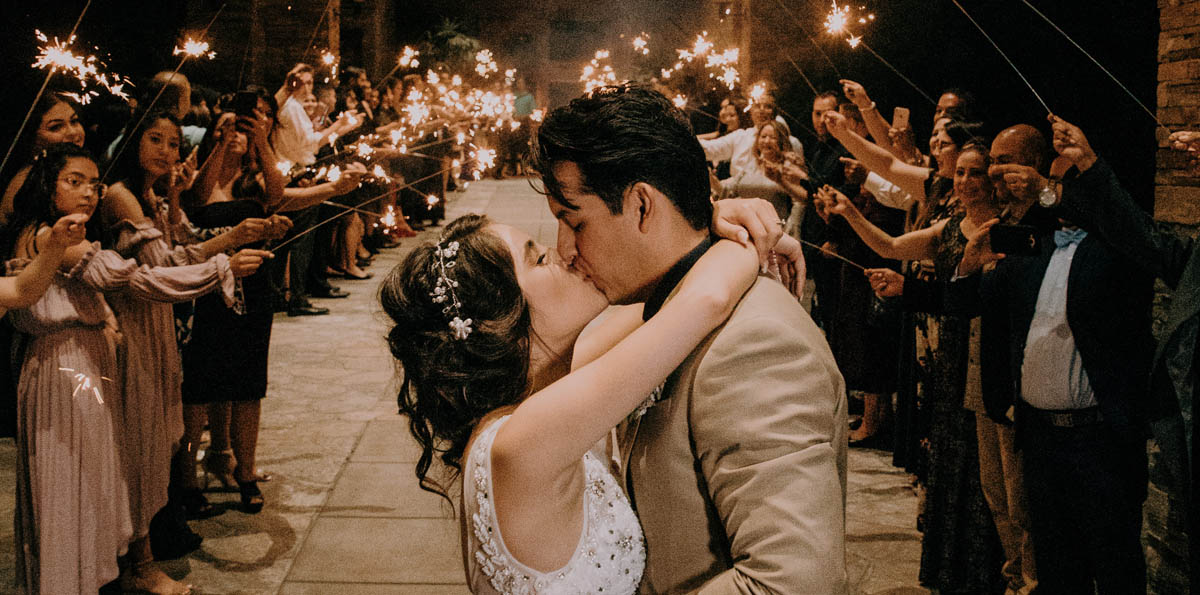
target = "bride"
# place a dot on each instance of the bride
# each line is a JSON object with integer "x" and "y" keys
{"x": 496, "y": 384}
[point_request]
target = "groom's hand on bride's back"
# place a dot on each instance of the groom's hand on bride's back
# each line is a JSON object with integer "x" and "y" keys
{"x": 748, "y": 221}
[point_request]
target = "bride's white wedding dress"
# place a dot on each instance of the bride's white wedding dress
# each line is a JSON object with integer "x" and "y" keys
{"x": 609, "y": 558}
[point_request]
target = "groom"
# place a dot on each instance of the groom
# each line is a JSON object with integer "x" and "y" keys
{"x": 738, "y": 472}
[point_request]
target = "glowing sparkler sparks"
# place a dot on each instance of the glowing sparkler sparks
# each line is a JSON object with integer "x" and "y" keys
{"x": 432, "y": 200}
{"x": 854, "y": 40}
{"x": 327, "y": 58}
{"x": 284, "y": 166}
{"x": 365, "y": 150}
{"x": 388, "y": 220}
{"x": 193, "y": 48}
{"x": 702, "y": 45}
{"x": 460, "y": 138}
{"x": 379, "y": 174}
{"x": 83, "y": 383}
{"x": 396, "y": 135}
{"x": 837, "y": 19}
{"x": 432, "y": 77}
{"x": 408, "y": 58}
{"x": 334, "y": 174}
{"x": 510, "y": 76}
{"x": 596, "y": 74}
{"x": 57, "y": 57}
{"x": 537, "y": 115}
{"x": 757, "y": 92}
{"x": 680, "y": 101}
{"x": 484, "y": 64}
{"x": 640, "y": 44}
{"x": 456, "y": 80}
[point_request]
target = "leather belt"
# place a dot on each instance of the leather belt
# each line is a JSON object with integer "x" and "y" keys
{"x": 1066, "y": 418}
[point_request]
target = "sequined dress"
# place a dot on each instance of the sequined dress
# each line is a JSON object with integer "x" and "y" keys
{"x": 609, "y": 558}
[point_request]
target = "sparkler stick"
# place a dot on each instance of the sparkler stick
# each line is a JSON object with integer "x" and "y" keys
{"x": 835, "y": 255}
{"x": 348, "y": 209}
{"x": 40, "y": 92}
{"x": 1005, "y": 56}
{"x": 309, "y": 46}
{"x": 811, "y": 40}
{"x": 146, "y": 110}
{"x": 898, "y": 73}
{"x": 1098, "y": 64}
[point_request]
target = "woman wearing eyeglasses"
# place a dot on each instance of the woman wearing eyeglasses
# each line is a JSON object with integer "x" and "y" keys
{"x": 73, "y": 515}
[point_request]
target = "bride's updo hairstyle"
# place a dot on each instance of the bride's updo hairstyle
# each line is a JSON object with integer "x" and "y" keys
{"x": 451, "y": 383}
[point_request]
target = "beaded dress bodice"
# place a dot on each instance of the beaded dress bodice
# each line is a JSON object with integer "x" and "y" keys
{"x": 609, "y": 558}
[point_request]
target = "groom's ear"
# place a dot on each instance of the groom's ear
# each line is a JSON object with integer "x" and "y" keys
{"x": 640, "y": 202}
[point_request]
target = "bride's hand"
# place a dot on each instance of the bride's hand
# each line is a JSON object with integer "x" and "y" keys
{"x": 720, "y": 278}
{"x": 750, "y": 221}
{"x": 792, "y": 268}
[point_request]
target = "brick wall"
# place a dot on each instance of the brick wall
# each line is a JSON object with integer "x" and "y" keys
{"x": 1176, "y": 202}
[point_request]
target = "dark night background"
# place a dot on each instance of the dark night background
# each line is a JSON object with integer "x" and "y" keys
{"x": 928, "y": 40}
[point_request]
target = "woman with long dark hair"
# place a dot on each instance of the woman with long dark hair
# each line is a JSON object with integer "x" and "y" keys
{"x": 144, "y": 221}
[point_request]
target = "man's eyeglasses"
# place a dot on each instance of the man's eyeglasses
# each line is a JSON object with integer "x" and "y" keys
{"x": 79, "y": 182}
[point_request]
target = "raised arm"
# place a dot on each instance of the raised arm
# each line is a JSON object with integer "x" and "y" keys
{"x": 720, "y": 149}
{"x": 1097, "y": 202}
{"x": 568, "y": 417}
{"x": 876, "y": 124}
{"x": 295, "y": 199}
{"x": 909, "y": 178}
{"x": 914, "y": 245}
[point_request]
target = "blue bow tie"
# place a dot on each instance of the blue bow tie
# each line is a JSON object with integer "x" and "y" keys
{"x": 1066, "y": 237}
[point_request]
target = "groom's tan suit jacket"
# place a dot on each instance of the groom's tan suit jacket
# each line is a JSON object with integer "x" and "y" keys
{"x": 738, "y": 474}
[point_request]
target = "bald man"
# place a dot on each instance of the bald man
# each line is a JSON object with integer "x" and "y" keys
{"x": 1018, "y": 163}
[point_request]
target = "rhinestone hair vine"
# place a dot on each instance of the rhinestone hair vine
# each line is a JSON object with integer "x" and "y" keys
{"x": 443, "y": 292}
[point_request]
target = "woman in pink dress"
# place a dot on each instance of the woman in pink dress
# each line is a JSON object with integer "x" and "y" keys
{"x": 73, "y": 515}
{"x": 143, "y": 221}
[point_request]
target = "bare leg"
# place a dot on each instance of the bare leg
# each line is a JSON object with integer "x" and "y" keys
{"x": 142, "y": 575}
{"x": 194, "y": 417}
{"x": 218, "y": 459}
{"x": 351, "y": 240}
{"x": 874, "y": 417}
{"x": 244, "y": 433}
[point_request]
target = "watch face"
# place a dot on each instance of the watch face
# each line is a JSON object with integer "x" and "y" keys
{"x": 1047, "y": 197}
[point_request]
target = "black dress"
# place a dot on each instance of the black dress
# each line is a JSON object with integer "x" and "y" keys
{"x": 226, "y": 356}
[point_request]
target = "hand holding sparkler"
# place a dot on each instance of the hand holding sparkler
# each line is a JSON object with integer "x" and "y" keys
{"x": 246, "y": 262}
{"x": 836, "y": 203}
{"x": 1023, "y": 182}
{"x": 886, "y": 283}
{"x": 857, "y": 94}
{"x": 1070, "y": 142}
{"x": 1188, "y": 141}
{"x": 855, "y": 173}
{"x": 67, "y": 231}
{"x": 349, "y": 179}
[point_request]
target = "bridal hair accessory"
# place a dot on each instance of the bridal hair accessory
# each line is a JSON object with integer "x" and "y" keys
{"x": 443, "y": 292}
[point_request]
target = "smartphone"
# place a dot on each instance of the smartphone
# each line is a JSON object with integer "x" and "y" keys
{"x": 900, "y": 118}
{"x": 244, "y": 103}
{"x": 1014, "y": 240}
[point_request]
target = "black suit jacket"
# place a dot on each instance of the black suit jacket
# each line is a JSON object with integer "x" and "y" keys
{"x": 1108, "y": 310}
{"x": 1097, "y": 202}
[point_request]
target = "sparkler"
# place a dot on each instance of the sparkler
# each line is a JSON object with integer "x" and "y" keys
{"x": 1005, "y": 56}
{"x": 596, "y": 74}
{"x": 147, "y": 109}
{"x": 329, "y": 59}
{"x": 680, "y": 101}
{"x": 640, "y": 44}
{"x": 836, "y": 20}
{"x": 484, "y": 64}
{"x": 194, "y": 49}
{"x": 38, "y": 96}
{"x": 1098, "y": 64}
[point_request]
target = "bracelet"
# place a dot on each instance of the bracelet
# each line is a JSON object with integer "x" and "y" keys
{"x": 869, "y": 108}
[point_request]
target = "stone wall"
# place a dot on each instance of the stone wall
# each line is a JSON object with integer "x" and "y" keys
{"x": 1177, "y": 203}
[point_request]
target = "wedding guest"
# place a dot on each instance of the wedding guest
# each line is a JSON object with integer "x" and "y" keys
{"x": 225, "y": 360}
{"x": 960, "y": 549}
{"x": 54, "y": 119}
{"x": 149, "y": 227}
{"x": 770, "y": 144}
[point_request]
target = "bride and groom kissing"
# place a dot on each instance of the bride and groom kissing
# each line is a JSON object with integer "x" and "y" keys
{"x": 730, "y": 414}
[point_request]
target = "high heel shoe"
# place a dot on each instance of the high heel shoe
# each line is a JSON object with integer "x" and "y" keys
{"x": 219, "y": 464}
{"x": 197, "y": 506}
{"x": 252, "y": 497}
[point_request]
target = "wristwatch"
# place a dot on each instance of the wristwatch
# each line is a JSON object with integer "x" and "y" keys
{"x": 1048, "y": 197}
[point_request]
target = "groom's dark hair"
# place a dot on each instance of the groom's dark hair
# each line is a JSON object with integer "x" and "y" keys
{"x": 621, "y": 135}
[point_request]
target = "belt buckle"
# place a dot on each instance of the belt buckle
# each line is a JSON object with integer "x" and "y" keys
{"x": 1062, "y": 420}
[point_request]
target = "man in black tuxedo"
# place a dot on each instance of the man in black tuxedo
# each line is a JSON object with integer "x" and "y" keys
{"x": 1066, "y": 350}
{"x": 1098, "y": 203}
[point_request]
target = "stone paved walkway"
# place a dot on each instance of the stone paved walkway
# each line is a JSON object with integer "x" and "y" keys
{"x": 344, "y": 514}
